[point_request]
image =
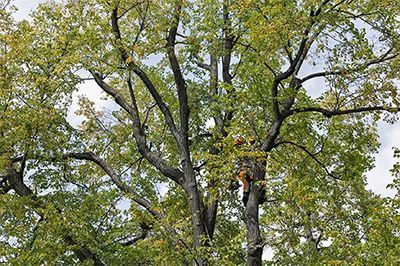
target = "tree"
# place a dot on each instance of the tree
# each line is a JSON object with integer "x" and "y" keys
{"x": 187, "y": 77}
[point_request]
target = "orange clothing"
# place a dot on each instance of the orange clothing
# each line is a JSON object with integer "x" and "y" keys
{"x": 245, "y": 178}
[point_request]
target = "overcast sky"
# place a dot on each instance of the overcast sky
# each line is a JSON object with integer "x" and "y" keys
{"x": 378, "y": 178}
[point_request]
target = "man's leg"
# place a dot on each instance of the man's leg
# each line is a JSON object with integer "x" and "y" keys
{"x": 246, "y": 187}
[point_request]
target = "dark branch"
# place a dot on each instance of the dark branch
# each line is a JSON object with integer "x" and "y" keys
{"x": 160, "y": 164}
{"x": 143, "y": 76}
{"x": 145, "y": 229}
{"x": 344, "y": 71}
{"x": 179, "y": 81}
{"x": 330, "y": 113}
{"x": 110, "y": 91}
{"x": 89, "y": 156}
{"x": 129, "y": 9}
{"x": 301, "y": 147}
{"x": 200, "y": 63}
{"x": 304, "y": 46}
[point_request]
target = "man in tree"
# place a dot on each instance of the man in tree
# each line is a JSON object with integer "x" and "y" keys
{"x": 244, "y": 167}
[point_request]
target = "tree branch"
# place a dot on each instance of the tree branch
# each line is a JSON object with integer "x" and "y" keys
{"x": 145, "y": 229}
{"x": 89, "y": 156}
{"x": 143, "y": 76}
{"x": 157, "y": 162}
{"x": 330, "y": 113}
{"x": 200, "y": 64}
{"x": 14, "y": 180}
{"x": 179, "y": 81}
{"x": 110, "y": 91}
{"x": 129, "y": 9}
{"x": 301, "y": 147}
{"x": 304, "y": 46}
{"x": 344, "y": 71}
{"x": 272, "y": 135}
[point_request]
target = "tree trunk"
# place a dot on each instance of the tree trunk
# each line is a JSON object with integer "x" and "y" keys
{"x": 195, "y": 205}
{"x": 254, "y": 240}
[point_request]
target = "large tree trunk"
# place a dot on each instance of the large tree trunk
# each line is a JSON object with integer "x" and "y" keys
{"x": 254, "y": 240}
{"x": 196, "y": 209}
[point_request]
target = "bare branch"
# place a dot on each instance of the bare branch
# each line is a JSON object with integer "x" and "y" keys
{"x": 301, "y": 147}
{"x": 89, "y": 156}
{"x": 143, "y": 76}
{"x": 110, "y": 91}
{"x": 288, "y": 53}
{"x": 200, "y": 64}
{"x": 160, "y": 164}
{"x": 147, "y": 116}
{"x": 330, "y": 113}
{"x": 179, "y": 81}
{"x": 23, "y": 164}
{"x": 345, "y": 71}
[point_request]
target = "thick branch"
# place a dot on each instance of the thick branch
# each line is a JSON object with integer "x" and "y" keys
{"x": 110, "y": 91}
{"x": 273, "y": 133}
{"x": 228, "y": 46}
{"x": 179, "y": 80}
{"x": 143, "y": 76}
{"x": 330, "y": 113}
{"x": 157, "y": 162}
{"x": 200, "y": 63}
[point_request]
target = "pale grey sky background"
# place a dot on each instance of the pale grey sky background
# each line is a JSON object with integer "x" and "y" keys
{"x": 378, "y": 178}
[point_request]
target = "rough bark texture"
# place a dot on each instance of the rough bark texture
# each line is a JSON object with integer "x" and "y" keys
{"x": 195, "y": 206}
{"x": 254, "y": 240}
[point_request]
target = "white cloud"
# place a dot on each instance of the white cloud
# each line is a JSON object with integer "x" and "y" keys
{"x": 25, "y": 7}
{"x": 379, "y": 177}
{"x": 93, "y": 92}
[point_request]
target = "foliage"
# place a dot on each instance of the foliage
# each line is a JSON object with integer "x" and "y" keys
{"x": 146, "y": 181}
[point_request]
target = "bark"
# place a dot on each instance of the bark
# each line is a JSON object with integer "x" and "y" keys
{"x": 83, "y": 253}
{"x": 190, "y": 183}
{"x": 195, "y": 205}
{"x": 210, "y": 214}
{"x": 254, "y": 240}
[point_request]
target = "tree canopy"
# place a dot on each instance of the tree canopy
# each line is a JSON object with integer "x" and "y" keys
{"x": 148, "y": 180}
